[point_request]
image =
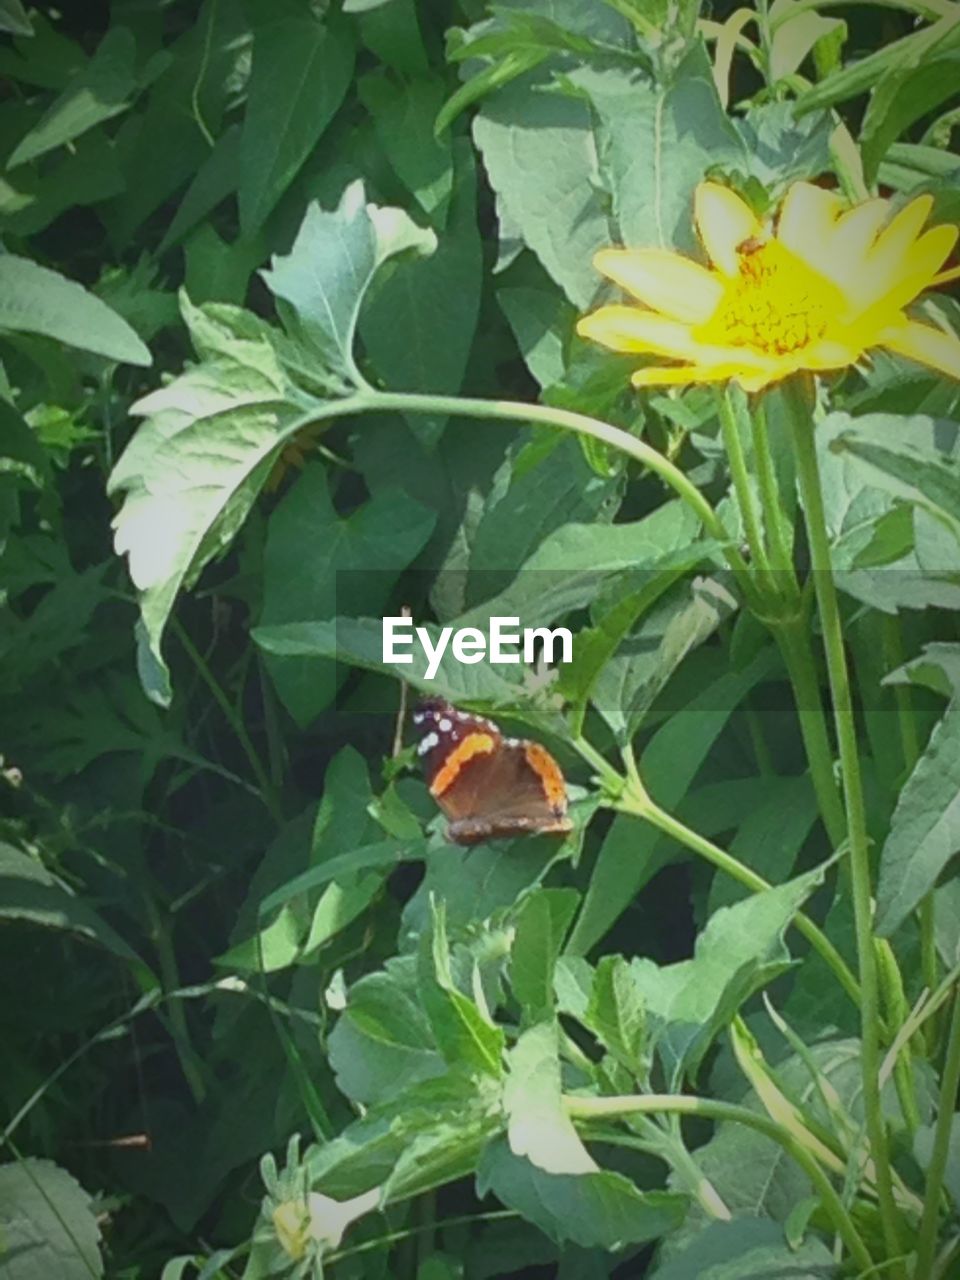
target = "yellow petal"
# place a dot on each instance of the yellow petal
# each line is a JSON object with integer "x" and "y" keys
{"x": 723, "y": 222}
{"x": 678, "y": 375}
{"x": 918, "y": 269}
{"x": 807, "y": 218}
{"x": 924, "y": 343}
{"x": 946, "y": 277}
{"x": 676, "y": 286}
{"x": 630, "y": 329}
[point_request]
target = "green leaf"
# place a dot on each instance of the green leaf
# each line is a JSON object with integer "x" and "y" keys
{"x": 925, "y": 830}
{"x": 537, "y": 1125}
{"x": 464, "y": 1032}
{"x": 539, "y": 154}
{"x": 217, "y": 271}
{"x": 656, "y": 142}
{"x": 215, "y": 179}
{"x": 541, "y": 926}
{"x": 300, "y": 74}
{"x": 795, "y": 33}
{"x": 541, "y": 322}
{"x": 668, "y": 766}
{"x": 327, "y": 272}
{"x": 383, "y": 1040}
{"x": 34, "y": 299}
{"x": 616, "y": 1014}
{"x": 359, "y": 642}
{"x": 28, "y": 891}
{"x": 103, "y": 89}
{"x": 403, "y": 116}
{"x": 917, "y": 459}
{"x": 419, "y": 323}
{"x": 595, "y": 1210}
{"x": 194, "y": 467}
{"x": 905, "y": 94}
{"x": 13, "y": 18}
{"x": 740, "y": 950}
{"x": 47, "y": 1224}
{"x": 746, "y": 1247}
{"x": 632, "y": 678}
{"x": 317, "y": 564}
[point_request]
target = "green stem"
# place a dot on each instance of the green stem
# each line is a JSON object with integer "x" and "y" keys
{"x": 650, "y": 1104}
{"x": 950, "y": 1082}
{"x": 547, "y": 415}
{"x": 781, "y": 558}
{"x": 808, "y": 474}
{"x": 794, "y": 640}
{"x": 267, "y": 790}
{"x": 740, "y": 476}
{"x": 644, "y": 807}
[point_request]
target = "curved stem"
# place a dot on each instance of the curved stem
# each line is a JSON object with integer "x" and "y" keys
{"x": 927, "y": 1241}
{"x": 547, "y": 415}
{"x": 809, "y": 478}
{"x": 644, "y": 807}
{"x": 650, "y": 1104}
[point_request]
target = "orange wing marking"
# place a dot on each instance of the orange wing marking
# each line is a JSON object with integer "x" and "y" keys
{"x": 548, "y": 771}
{"x": 474, "y": 744}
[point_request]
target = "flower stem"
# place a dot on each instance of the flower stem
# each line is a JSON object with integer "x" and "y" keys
{"x": 927, "y": 1241}
{"x": 781, "y": 559}
{"x": 740, "y": 476}
{"x": 793, "y": 637}
{"x": 808, "y": 474}
{"x": 642, "y": 806}
{"x": 579, "y": 1108}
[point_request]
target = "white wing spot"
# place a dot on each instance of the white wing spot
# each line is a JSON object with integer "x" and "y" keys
{"x": 427, "y": 744}
{"x": 445, "y": 725}
{"x": 418, "y": 717}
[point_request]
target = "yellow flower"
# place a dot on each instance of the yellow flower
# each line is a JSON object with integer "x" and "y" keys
{"x": 816, "y": 292}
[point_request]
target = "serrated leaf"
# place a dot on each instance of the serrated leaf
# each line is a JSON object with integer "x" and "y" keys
{"x": 194, "y": 467}
{"x": 537, "y": 1125}
{"x": 616, "y": 1014}
{"x": 740, "y": 950}
{"x": 302, "y": 67}
{"x": 595, "y": 1210}
{"x": 925, "y": 829}
{"x": 34, "y": 299}
{"x": 47, "y": 1224}
{"x": 327, "y": 272}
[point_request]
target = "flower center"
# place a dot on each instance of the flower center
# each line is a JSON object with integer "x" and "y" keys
{"x": 775, "y": 304}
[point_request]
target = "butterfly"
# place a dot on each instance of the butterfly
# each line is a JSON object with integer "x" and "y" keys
{"x": 488, "y": 786}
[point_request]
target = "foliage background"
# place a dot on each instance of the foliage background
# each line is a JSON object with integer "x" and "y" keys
{"x": 162, "y": 156}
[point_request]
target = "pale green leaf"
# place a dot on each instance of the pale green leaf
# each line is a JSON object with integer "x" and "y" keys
{"x": 616, "y": 1014}
{"x": 48, "y": 1228}
{"x": 327, "y": 272}
{"x": 34, "y": 299}
{"x": 925, "y": 829}
{"x": 537, "y": 1125}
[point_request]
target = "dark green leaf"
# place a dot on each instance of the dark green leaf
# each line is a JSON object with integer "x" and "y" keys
{"x": 905, "y": 94}
{"x": 541, "y": 926}
{"x": 747, "y": 1248}
{"x": 603, "y": 1210}
{"x": 103, "y": 89}
{"x": 301, "y": 70}
{"x": 403, "y": 116}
